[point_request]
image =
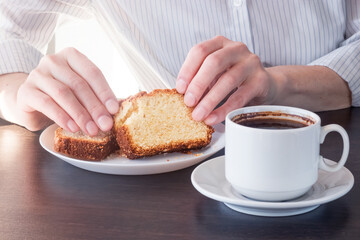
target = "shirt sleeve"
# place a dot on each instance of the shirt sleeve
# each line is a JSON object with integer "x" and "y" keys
{"x": 345, "y": 60}
{"x": 26, "y": 28}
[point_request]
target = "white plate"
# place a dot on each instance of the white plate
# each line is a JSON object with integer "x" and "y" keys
{"x": 209, "y": 179}
{"x": 114, "y": 164}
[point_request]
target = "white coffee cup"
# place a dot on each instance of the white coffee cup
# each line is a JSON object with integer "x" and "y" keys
{"x": 277, "y": 164}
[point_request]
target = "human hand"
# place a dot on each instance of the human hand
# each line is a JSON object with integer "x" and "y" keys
{"x": 219, "y": 68}
{"x": 70, "y": 90}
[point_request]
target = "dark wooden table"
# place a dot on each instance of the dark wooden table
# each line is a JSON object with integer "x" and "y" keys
{"x": 42, "y": 197}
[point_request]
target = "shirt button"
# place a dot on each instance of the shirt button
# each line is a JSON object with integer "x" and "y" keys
{"x": 238, "y": 3}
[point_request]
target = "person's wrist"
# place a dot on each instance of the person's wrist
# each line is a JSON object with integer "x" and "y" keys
{"x": 9, "y": 104}
{"x": 280, "y": 85}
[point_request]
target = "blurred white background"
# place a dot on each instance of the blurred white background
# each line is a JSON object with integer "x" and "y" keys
{"x": 88, "y": 37}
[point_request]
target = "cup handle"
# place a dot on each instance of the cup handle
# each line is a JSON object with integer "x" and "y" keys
{"x": 324, "y": 131}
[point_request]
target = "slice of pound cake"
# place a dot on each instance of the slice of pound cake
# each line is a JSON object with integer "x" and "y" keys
{"x": 158, "y": 122}
{"x": 81, "y": 146}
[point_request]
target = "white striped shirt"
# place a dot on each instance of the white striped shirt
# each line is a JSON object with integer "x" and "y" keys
{"x": 155, "y": 36}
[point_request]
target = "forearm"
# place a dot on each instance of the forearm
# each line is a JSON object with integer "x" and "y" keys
{"x": 316, "y": 88}
{"x": 9, "y": 84}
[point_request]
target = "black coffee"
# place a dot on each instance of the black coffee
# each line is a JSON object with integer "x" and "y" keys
{"x": 272, "y": 120}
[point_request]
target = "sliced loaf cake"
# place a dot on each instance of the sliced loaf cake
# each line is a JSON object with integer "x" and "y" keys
{"x": 158, "y": 122}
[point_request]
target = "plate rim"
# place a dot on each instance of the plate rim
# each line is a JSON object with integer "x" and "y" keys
{"x": 135, "y": 165}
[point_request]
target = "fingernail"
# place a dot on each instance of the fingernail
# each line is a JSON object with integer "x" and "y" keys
{"x": 181, "y": 85}
{"x": 105, "y": 123}
{"x": 189, "y": 99}
{"x": 91, "y": 128}
{"x": 112, "y": 106}
{"x": 211, "y": 119}
{"x": 72, "y": 126}
{"x": 198, "y": 114}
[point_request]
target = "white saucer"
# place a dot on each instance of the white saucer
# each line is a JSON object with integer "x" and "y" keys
{"x": 209, "y": 179}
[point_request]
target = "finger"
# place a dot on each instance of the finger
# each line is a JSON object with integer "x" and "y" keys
{"x": 229, "y": 80}
{"x": 211, "y": 85}
{"x": 213, "y": 65}
{"x": 238, "y": 99}
{"x": 61, "y": 71}
{"x": 65, "y": 98}
{"x": 86, "y": 97}
{"x": 45, "y": 104}
{"x": 194, "y": 60}
{"x": 212, "y": 99}
{"x": 94, "y": 77}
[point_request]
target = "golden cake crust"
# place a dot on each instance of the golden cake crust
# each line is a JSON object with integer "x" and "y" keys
{"x": 85, "y": 148}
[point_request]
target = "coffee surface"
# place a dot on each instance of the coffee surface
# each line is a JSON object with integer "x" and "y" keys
{"x": 272, "y": 120}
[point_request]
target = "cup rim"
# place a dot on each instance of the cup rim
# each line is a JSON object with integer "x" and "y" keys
{"x": 272, "y": 108}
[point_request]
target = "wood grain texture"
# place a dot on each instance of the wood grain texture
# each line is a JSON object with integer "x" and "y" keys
{"x": 42, "y": 197}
